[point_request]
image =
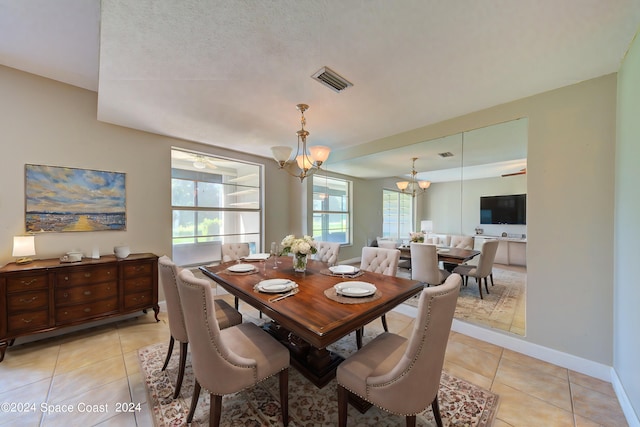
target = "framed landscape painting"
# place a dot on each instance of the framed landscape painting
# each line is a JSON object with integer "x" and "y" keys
{"x": 60, "y": 199}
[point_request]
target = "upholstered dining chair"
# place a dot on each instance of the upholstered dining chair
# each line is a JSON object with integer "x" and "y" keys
{"x": 225, "y": 315}
{"x": 378, "y": 260}
{"x": 484, "y": 267}
{"x": 424, "y": 264}
{"x": 234, "y": 252}
{"x": 229, "y": 360}
{"x": 401, "y": 375}
{"x": 327, "y": 252}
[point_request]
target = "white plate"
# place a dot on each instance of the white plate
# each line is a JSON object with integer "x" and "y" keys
{"x": 257, "y": 257}
{"x": 275, "y": 286}
{"x": 443, "y": 250}
{"x": 355, "y": 289}
{"x": 241, "y": 268}
{"x": 343, "y": 269}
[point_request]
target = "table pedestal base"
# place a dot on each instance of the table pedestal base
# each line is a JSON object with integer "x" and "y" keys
{"x": 318, "y": 365}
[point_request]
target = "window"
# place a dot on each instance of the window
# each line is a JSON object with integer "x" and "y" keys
{"x": 214, "y": 201}
{"x": 397, "y": 214}
{"x": 331, "y": 209}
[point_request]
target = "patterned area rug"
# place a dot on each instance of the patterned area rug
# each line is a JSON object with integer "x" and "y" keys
{"x": 461, "y": 403}
{"x": 502, "y": 308}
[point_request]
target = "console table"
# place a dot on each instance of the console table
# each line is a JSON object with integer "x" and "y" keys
{"x": 47, "y": 294}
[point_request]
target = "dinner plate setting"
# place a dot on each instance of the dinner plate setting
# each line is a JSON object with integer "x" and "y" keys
{"x": 275, "y": 286}
{"x": 241, "y": 268}
{"x": 355, "y": 289}
{"x": 344, "y": 269}
{"x": 257, "y": 257}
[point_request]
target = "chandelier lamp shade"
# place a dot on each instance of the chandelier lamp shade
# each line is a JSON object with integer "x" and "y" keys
{"x": 414, "y": 187}
{"x": 307, "y": 160}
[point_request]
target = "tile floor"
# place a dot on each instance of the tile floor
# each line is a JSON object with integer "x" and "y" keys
{"x": 86, "y": 370}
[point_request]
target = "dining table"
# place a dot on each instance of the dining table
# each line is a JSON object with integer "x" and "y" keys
{"x": 451, "y": 257}
{"x": 316, "y": 314}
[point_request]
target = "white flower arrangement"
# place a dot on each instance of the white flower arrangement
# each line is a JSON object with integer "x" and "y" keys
{"x": 417, "y": 237}
{"x": 303, "y": 246}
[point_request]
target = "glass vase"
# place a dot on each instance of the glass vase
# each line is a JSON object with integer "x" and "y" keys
{"x": 300, "y": 262}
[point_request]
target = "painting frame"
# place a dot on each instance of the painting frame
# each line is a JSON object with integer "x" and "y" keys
{"x": 66, "y": 199}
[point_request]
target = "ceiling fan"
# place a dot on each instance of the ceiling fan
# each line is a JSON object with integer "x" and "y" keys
{"x": 522, "y": 171}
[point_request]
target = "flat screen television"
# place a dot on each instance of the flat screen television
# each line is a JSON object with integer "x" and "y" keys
{"x": 509, "y": 209}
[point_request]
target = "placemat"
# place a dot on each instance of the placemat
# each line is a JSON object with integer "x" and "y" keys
{"x": 328, "y": 272}
{"x": 332, "y": 295}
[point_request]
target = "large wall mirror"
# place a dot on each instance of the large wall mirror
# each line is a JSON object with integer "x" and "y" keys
{"x": 463, "y": 168}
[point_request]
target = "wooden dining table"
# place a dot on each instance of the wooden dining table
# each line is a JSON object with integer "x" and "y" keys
{"x": 309, "y": 321}
{"x": 449, "y": 256}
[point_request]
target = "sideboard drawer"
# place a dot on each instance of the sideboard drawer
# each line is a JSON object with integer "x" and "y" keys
{"x": 27, "y": 301}
{"x": 138, "y": 284}
{"x": 30, "y": 320}
{"x": 83, "y": 294}
{"x": 138, "y": 269}
{"x": 85, "y": 311}
{"x": 26, "y": 282}
{"x": 87, "y": 276}
{"x": 139, "y": 299}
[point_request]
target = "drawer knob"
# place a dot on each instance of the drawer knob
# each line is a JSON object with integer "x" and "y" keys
{"x": 27, "y": 320}
{"x": 87, "y": 310}
{"x": 27, "y": 301}
{"x": 29, "y": 283}
{"x": 87, "y": 293}
{"x": 66, "y": 295}
{"x": 66, "y": 278}
{"x": 87, "y": 275}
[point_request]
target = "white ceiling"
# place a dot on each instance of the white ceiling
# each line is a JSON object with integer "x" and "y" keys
{"x": 230, "y": 73}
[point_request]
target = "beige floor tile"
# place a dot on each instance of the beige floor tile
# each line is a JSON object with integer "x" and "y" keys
{"x": 135, "y": 337}
{"x": 520, "y": 409}
{"x": 80, "y": 351}
{"x": 591, "y": 383}
{"x": 131, "y": 363}
{"x": 144, "y": 416}
{"x": 19, "y": 375}
{"x": 500, "y": 423}
{"x": 137, "y": 388}
{"x": 88, "y": 377}
{"x": 42, "y": 353}
{"x": 472, "y": 358}
{"x": 585, "y": 422}
{"x": 25, "y": 401}
{"x": 104, "y": 399}
{"x": 121, "y": 420}
{"x": 544, "y": 386}
{"x": 481, "y": 345}
{"x": 467, "y": 375}
{"x": 596, "y": 406}
{"x": 537, "y": 364}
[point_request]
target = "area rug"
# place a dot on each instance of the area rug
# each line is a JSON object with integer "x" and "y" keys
{"x": 499, "y": 308}
{"x": 461, "y": 403}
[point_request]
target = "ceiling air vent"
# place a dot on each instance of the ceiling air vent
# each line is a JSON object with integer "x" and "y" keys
{"x": 331, "y": 79}
{"x": 446, "y": 154}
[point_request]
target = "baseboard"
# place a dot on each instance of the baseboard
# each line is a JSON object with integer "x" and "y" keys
{"x": 629, "y": 413}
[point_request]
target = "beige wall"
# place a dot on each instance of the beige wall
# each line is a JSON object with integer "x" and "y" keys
{"x": 570, "y": 182}
{"x": 627, "y": 229}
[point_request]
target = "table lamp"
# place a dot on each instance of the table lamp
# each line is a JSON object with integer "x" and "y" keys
{"x": 23, "y": 248}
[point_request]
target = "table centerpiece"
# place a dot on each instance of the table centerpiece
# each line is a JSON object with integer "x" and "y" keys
{"x": 300, "y": 248}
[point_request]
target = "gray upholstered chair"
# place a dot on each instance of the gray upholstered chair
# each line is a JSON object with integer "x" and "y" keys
{"x": 234, "y": 252}
{"x": 484, "y": 267}
{"x": 229, "y": 360}
{"x": 327, "y": 252}
{"x": 378, "y": 260}
{"x": 401, "y": 375}
{"x": 424, "y": 264}
{"x": 225, "y": 314}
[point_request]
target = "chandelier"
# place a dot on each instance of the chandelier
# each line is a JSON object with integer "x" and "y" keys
{"x": 414, "y": 185}
{"x": 307, "y": 160}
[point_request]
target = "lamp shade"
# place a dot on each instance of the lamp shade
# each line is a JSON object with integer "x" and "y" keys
{"x": 320, "y": 153}
{"x": 402, "y": 185}
{"x": 23, "y": 247}
{"x": 304, "y": 162}
{"x": 281, "y": 153}
{"x": 424, "y": 184}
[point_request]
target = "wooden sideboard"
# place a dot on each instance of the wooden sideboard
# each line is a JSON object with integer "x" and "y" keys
{"x": 47, "y": 294}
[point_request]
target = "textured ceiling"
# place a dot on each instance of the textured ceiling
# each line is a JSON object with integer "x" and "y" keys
{"x": 229, "y": 73}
